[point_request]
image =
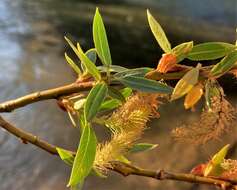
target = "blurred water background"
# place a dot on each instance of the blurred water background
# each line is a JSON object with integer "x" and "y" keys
{"x": 31, "y": 53}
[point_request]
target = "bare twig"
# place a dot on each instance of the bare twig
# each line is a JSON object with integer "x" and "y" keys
{"x": 120, "y": 167}
{"x": 44, "y": 95}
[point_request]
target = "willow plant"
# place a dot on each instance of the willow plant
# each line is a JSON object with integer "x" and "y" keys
{"x": 124, "y": 100}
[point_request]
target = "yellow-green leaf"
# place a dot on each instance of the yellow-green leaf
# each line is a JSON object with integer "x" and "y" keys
{"x": 85, "y": 156}
{"x": 210, "y": 51}
{"x": 94, "y": 100}
{"x": 140, "y": 147}
{"x": 186, "y": 83}
{"x": 90, "y": 66}
{"x": 145, "y": 85}
{"x": 225, "y": 64}
{"x": 214, "y": 166}
{"x": 100, "y": 39}
{"x": 72, "y": 64}
{"x": 182, "y": 50}
{"x": 212, "y": 90}
{"x": 65, "y": 155}
{"x": 158, "y": 33}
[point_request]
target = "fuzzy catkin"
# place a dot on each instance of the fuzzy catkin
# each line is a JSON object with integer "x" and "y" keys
{"x": 127, "y": 125}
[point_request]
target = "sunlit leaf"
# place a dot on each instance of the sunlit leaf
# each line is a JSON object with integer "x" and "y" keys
{"x": 94, "y": 100}
{"x": 139, "y": 72}
{"x": 225, "y": 64}
{"x": 100, "y": 39}
{"x": 114, "y": 103}
{"x": 210, "y": 51}
{"x": 72, "y": 64}
{"x": 193, "y": 96}
{"x": 90, "y": 66}
{"x": 214, "y": 166}
{"x": 182, "y": 50}
{"x": 158, "y": 33}
{"x": 65, "y": 155}
{"x": 212, "y": 90}
{"x": 145, "y": 85}
{"x": 140, "y": 147}
{"x": 84, "y": 157}
{"x": 79, "y": 104}
{"x": 123, "y": 159}
{"x": 91, "y": 54}
{"x": 113, "y": 68}
{"x": 186, "y": 83}
{"x": 126, "y": 92}
{"x": 114, "y": 93}
{"x": 110, "y": 104}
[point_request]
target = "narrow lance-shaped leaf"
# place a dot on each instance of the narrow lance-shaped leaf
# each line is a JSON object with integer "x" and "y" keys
{"x": 100, "y": 39}
{"x": 139, "y": 72}
{"x": 158, "y": 33}
{"x": 94, "y": 100}
{"x": 225, "y": 64}
{"x": 85, "y": 156}
{"x": 114, "y": 93}
{"x": 212, "y": 90}
{"x": 186, "y": 83}
{"x": 214, "y": 166}
{"x": 90, "y": 66}
{"x": 210, "y": 51}
{"x": 193, "y": 96}
{"x": 140, "y": 147}
{"x": 72, "y": 64}
{"x": 182, "y": 50}
{"x": 66, "y": 156}
{"x": 145, "y": 85}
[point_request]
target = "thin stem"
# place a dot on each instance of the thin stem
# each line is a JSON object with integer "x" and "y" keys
{"x": 120, "y": 167}
{"x": 54, "y": 93}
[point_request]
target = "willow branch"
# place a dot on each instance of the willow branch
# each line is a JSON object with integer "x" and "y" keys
{"x": 119, "y": 167}
{"x": 54, "y": 93}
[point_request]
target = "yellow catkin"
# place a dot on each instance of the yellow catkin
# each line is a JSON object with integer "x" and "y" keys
{"x": 127, "y": 124}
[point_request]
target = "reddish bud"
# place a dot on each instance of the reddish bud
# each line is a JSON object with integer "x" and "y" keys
{"x": 198, "y": 170}
{"x": 166, "y": 63}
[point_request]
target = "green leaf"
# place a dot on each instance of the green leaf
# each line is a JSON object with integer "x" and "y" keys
{"x": 113, "y": 68}
{"x": 72, "y": 64}
{"x": 225, "y": 64}
{"x": 140, "y": 147}
{"x": 100, "y": 39}
{"x": 84, "y": 157}
{"x": 91, "y": 54}
{"x": 90, "y": 66}
{"x": 210, "y": 51}
{"x": 158, "y": 33}
{"x": 139, "y": 72}
{"x": 145, "y": 85}
{"x": 114, "y": 93}
{"x": 126, "y": 92}
{"x": 214, "y": 166}
{"x": 182, "y": 50}
{"x": 79, "y": 104}
{"x": 212, "y": 89}
{"x": 94, "y": 100}
{"x": 65, "y": 155}
{"x": 123, "y": 159}
{"x": 186, "y": 83}
{"x": 110, "y": 104}
{"x": 114, "y": 103}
